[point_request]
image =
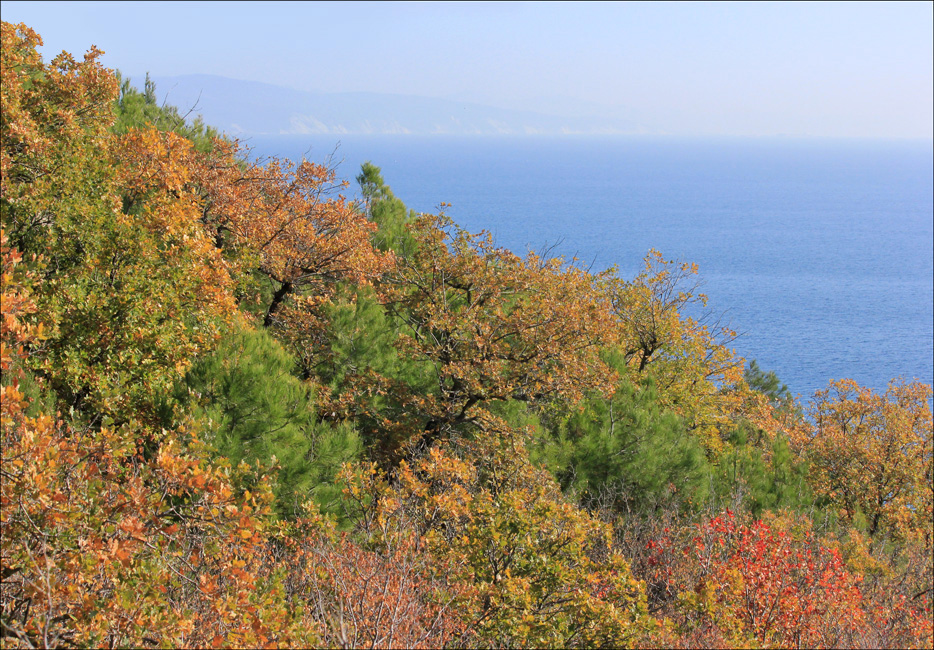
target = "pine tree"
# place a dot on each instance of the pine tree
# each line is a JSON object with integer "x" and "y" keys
{"x": 627, "y": 452}
{"x": 384, "y": 209}
{"x": 254, "y": 409}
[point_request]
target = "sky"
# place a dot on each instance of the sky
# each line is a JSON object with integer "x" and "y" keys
{"x": 835, "y": 69}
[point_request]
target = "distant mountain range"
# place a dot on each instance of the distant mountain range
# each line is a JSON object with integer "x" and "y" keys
{"x": 254, "y": 108}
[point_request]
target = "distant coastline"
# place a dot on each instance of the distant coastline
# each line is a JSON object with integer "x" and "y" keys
{"x": 249, "y": 107}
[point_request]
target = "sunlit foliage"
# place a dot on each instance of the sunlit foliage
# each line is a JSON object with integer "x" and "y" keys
{"x": 238, "y": 409}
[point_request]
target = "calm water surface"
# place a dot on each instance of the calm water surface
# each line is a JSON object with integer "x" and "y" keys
{"x": 819, "y": 252}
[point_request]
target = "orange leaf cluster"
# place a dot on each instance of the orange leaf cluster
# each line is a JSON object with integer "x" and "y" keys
{"x": 871, "y": 455}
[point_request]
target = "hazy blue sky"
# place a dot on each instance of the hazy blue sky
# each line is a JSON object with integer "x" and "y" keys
{"x": 834, "y": 69}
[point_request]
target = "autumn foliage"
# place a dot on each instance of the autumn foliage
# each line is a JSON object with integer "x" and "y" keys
{"x": 871, "y": 455}
{"x": 764, "y": 584}
{"x": 240, "y": 409}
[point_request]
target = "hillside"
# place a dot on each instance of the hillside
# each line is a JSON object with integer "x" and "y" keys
{"x": 239, "y": 410}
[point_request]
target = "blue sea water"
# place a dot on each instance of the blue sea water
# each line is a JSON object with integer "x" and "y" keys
{"x": 818, "y": 251}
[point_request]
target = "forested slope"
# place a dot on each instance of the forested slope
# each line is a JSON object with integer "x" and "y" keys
{"x": 239, "y": 409}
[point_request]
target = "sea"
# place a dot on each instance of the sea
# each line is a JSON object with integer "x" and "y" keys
{"x": 819, "y": 252}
